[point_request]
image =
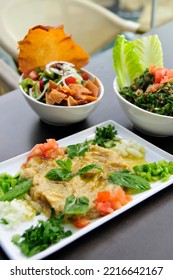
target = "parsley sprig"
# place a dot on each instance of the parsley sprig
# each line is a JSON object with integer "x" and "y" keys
{"x": 46, "y": 233}
{"x": 38, "y": 238}
{"x": 105, "y": 136}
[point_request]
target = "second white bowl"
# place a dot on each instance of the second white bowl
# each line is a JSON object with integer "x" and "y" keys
{"x": 144, "y": 121}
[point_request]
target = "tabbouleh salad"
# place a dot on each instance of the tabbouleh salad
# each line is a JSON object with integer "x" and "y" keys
{"x": 152, "y": 91}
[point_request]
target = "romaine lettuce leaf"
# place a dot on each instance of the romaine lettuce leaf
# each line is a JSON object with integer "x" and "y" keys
{"x": 125, "y": 59}
{"x": 149, "y": 50}
{"x": 132, "y": 58}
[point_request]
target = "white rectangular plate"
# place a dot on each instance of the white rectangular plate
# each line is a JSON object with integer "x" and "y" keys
{"x": 12, "y": 166}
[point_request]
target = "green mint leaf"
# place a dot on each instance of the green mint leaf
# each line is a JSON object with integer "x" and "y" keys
{"x": 65, "y": 164}
{"x": 87, "y": 168}
{"x": 77, "y": 150}
{"x": 75, "y": 205}
{"x": 129, "y": 180}
{"x": 58, "y": 174}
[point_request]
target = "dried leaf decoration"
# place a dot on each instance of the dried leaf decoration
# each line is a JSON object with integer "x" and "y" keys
{"x": 44, "y": 44}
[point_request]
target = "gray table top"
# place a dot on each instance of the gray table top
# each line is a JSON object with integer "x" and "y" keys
{"x": 143, "y": 232}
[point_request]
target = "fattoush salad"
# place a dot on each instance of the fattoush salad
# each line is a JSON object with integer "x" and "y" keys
{"x": 60, "y": 83}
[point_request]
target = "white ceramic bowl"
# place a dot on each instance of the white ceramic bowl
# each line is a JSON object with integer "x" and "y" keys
{"x": 63, "y": 115}
{"x": 144, "y": 121}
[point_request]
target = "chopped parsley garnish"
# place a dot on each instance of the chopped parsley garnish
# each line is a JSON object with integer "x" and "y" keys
{"x": 38, "y": 238}
{"x": 105, "y": 136}
{"x": 44, "y": 234}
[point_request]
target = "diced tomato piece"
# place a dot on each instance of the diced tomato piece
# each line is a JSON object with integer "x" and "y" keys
{"x": 169, "y": 73}
{"x": 103, "y": 196}
{"x": 50, "y": 149}
{"x": 33, "y": 75}
{"x": 159, "y": 74}
{"x": 81, "y": 223}
{"x": 119, "y": 198}
{"x": 106, "y": 201}
{"x": 128, "y": 197}
{"x": 116, "y": 204}
{"x": 85, "y": 76}
{"x": 104, "y": 207}
{"x": 70, "y": 80}
{"x": 168, "y": 77}
{"x": 162, "y": 75}
{"x": 153, "y": 88}
{"x": 119, "y": 195}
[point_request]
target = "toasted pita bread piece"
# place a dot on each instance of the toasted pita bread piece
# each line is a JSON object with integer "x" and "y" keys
{"x": 44, "y": 44}
{"x": 75, "y": 94}
{"x": 92, "y": 87}
{"x": 55, "y": 96}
